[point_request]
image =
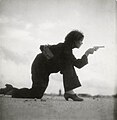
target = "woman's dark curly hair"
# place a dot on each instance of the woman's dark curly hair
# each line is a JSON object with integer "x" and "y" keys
{"x": 74, "y": 35}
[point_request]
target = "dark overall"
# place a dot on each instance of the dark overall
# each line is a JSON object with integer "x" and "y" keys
{"x": 63, "y": 61}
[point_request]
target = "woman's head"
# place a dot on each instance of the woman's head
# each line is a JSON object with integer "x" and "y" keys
{"x": 74, "y": 39}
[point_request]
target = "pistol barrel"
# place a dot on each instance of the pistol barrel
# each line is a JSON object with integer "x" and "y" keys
{"x": 99, "y": 46}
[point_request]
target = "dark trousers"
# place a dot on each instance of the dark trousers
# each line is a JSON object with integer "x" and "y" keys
{"x": 40, "y": 81}
{"x": 70, "y": 79}
{"x": 40, "y": 77}
{"x": 39, "y": 85}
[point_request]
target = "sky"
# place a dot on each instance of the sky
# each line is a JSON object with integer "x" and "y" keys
{"x": 27, "y": 24}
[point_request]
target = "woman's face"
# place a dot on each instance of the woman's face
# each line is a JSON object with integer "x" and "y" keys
{"x": 78, "y": 43}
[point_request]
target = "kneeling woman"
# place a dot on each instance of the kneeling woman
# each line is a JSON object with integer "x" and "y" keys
{"x": 53, "y": 59}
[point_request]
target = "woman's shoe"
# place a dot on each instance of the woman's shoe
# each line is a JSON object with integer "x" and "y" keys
{"x": 74, "y": 97}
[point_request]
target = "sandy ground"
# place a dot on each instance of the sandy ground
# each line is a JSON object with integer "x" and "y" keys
{"x": 56, "y": 108}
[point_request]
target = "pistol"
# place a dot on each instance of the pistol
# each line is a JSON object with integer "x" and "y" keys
{"x": 97, "y": 47}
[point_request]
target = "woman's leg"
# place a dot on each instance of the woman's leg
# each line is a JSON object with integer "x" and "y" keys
{"x": 71, "y": 82}
{"x": 70, "y": 92}
{"x": 70, "y": 79}
{"x": 40, "y": 77}
{"x": 39, "y": 86}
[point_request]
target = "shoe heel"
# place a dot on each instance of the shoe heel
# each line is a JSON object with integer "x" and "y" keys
{"x": 66, "y": 99}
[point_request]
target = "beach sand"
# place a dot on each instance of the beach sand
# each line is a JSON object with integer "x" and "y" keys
{"x": 56, "y": 108}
